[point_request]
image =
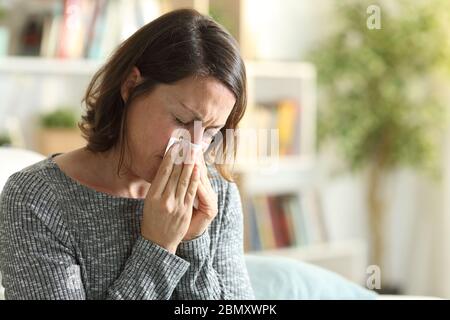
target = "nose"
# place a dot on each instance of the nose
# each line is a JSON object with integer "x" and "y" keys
{"x": 199, "y": 137}
{"x": 197, "y": 132}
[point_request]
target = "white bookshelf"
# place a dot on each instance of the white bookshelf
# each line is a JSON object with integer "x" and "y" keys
{"x": 272, "y": 80}
{"x": 294, "y": 174}
{"x": 268, "y": 82}
{"x": 36, "y": 66}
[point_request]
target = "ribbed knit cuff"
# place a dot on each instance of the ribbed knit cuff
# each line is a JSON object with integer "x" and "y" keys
{"x": 152, "y": 254}
{"x": 195, "y": 249}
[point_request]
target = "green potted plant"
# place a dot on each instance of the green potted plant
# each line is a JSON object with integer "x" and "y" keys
{"x": 4, "y": 31}
{"x": 380, "y": 102}
{"x": 4, "y": 140}
{"x": 59, "y": 131}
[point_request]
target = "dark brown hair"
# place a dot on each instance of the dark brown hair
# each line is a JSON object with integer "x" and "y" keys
{"x": 176, "y": 45}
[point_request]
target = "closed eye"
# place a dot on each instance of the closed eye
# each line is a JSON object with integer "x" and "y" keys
{"x": 179, "y": 122}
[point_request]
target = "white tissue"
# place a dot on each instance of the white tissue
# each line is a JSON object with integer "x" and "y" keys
{"x": 172, "y": 140}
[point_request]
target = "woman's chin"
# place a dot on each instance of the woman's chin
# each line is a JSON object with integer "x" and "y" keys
{"x": 149, "y": 173}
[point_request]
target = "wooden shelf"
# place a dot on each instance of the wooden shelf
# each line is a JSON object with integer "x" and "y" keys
{"x": 287, "y": 175}
{"x": 283, "y": 163}
{"x": 278, "y": 69}
{"x": 48, "y": 66}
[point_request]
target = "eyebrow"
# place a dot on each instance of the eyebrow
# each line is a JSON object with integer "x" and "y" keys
{"x": 197, "y": 116}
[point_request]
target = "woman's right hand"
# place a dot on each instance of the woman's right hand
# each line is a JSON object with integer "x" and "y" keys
{"x": 169, "y": 202}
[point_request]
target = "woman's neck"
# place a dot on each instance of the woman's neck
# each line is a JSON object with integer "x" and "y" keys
{"x": 99, "y": 171}
{"x": 126, "y": 184}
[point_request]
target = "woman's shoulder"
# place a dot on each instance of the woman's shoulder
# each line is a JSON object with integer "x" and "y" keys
{"x": 230, "y": 214}
{"x": 29, "y": 201}
{"x": 219, "y": 183}
{"x": 31, "y": 183}
{"x": 39, "y": 170}
{"x": 227, "y": 191}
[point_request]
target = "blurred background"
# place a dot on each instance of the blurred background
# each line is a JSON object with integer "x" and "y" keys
{"x": 358, "y": 91}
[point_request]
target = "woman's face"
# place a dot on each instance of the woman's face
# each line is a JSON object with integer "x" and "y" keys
{"x": 154, "y": 118}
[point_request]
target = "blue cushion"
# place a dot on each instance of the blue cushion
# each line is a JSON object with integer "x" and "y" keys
{"x": 280, "y": 278}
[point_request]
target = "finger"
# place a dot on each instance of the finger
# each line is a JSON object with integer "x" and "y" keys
{"x": 202, "y": 167}
{"x": 193, "y": 187}
{"x": 206, "y": 198}
{"x": 164, "y": 171}
{"x": 185, "y": 177}
{"x": 204, "y": 175}
{"x": 202, "y": 193}
{"x": 172, "y": 183}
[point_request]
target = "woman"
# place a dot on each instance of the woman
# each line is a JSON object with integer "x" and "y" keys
{"x": 115, "y": 220}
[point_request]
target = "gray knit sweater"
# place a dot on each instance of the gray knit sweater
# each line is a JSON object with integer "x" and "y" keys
{"x": 62, "y": 240}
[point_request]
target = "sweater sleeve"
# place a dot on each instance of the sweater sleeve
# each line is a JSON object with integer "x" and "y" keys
{"x": 224, "y": 277}
{"x": 38, "y": 259}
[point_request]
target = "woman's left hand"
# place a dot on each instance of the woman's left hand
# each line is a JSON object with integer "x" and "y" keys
{"x": 207, "y": 204}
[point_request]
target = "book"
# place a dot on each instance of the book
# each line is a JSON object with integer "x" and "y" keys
{"x": 289, "y": 221}
{"x": 31, "y": 36}
{"x": 300, "y": 222}
{"x": 270, "y": 222}
{"x": 92, "y": 31}
{"x": 72, "y": 30}
{"x": 251, "y": 233}
{"x": 283, "y": 115}
{"x": 285, "y": 222}
{"x": 264, "y": 220}
{"x": 84, "y": 28}
{"x": 288, "y": 126}
{"x": 280, "y": 223}
{"x": 275, "y": 219}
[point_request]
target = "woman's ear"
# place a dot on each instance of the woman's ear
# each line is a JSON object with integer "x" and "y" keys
{"x": 133, "y": 79}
